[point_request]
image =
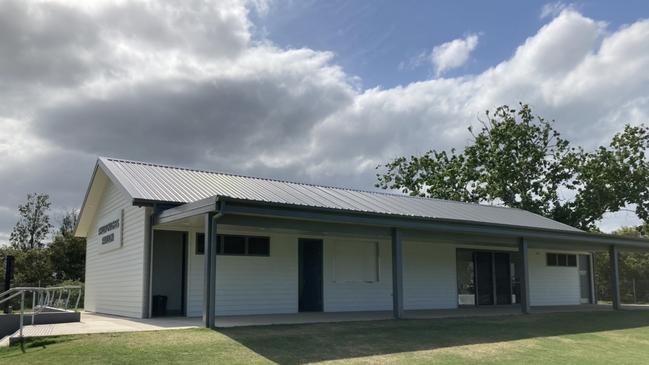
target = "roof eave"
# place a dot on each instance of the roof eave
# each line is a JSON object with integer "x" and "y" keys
{"x": 83, "y": 209}
{"x": 319, "y": 214}
{"x": 81, "y": 228}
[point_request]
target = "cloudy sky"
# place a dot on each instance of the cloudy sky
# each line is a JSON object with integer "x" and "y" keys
{"x": 311, "y": 91}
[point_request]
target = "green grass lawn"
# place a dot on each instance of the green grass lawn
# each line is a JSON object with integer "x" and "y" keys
{"x": 566, "y": 338}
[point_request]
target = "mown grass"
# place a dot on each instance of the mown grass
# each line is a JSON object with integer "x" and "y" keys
{"x": 563, "y": 338}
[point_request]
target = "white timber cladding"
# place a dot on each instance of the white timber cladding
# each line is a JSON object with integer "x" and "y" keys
{"x": 552, "y": 285}
{"x": 354, "y": 261}
{"x": 264, "y": 285}
{"x": 356, "y": 290}
{"x": 248, "y": 284}
{"x": 429, "y": 276}
{"x": 115, "y": 275}
{"x": 195, "y": 277}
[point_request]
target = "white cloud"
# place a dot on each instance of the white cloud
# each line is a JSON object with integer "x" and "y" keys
{"x": 453, "y": 54}
{"x": 186, "y": 83}
{"x": 555, "y": 8}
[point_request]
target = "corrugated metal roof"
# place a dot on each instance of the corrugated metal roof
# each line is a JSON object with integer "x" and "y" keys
{"x": 154, "y": 182}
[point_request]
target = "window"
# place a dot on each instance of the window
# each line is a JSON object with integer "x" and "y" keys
{"x": 559, "y": 259}
{"x": 199, "y": 244}
{"x": 258, "y": 246}
{"x": 552, "y": 259}
{"x": 233, "y": 245}
{"x": 243, "y": 245}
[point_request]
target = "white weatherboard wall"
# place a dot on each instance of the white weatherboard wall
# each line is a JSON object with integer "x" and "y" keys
{"x": 429, "y": 276}
{"x": 195, "y": 275}
{"x": 552, "y": 285}
{"x": 115, "y": 277}
{"x": 342, "y": 295}
{"x": 248, "y": 284}
{"x": 264, "y": 285}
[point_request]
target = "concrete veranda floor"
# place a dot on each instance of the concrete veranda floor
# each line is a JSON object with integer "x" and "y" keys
{"x": 101, "y": 323}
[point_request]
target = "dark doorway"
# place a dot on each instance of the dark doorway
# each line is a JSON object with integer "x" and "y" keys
{"x": 310, "y": 275}
{"x": 503, "y": 278}
{"x": 169, "y": 279}
{"x": 484, "y": 278}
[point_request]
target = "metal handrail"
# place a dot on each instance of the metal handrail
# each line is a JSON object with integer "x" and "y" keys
{"x": 46, "y": 299}
{"x": 38, "y": 288}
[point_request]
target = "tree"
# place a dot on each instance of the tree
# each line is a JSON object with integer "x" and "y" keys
{"x": 519, "y": 160}
{"x": 613, "y": 177}
{"x": 33, "y": 268}
{"x": 63, "y": 260}
{"x": 34, "y": 223}
{"x": 68, "y": 253}
{"x": 633, "y": 266}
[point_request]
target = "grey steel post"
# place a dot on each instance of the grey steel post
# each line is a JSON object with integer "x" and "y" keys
{"x": 615, "y": 276}
{"x": 524, "y": 275}
{"x": 209, "y": 288}
{"x": 397, "y": 274}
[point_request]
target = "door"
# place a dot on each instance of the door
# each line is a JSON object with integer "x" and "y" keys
{"x": 169, "y": 278}
{"x": 585, "y": 284}
{"x": 502, "y": 277}
{"x": 310, "y": 275}
{"x": 484, "y": 278}
{"x": 465, "y": 277}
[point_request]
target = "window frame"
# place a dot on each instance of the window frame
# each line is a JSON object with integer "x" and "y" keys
{"x": 246, "y": 250}
{"x": 560, "y": 259}
{"x": 201, "y": 242}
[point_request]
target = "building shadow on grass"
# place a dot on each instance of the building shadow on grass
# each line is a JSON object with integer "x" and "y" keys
{"x": 292, "y": 344}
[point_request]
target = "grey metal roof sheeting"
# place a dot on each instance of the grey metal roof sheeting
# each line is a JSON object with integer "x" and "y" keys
{"x": 154, "y": 182}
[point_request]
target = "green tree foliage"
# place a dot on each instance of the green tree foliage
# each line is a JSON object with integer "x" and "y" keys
{"x": 634, "y": 267}
{"x": 613, "y": 177}
{"x": 34, "y": 224}
{"x": 63, "y": 260}
{"x": 68, "y": 253}
{"x": 519, "y": 160}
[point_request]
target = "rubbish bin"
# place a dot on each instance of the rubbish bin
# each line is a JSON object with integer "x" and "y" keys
{"x": 159, "y": 305}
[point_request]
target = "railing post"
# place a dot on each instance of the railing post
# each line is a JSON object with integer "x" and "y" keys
{"x": 67, "y": 298}
{"x": 22, "y": 312}
{"x": 76, "y": 305}
{"x": 33, "y": 306}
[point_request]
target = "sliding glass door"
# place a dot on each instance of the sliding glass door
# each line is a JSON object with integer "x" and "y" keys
{"x": 486, "y": 277}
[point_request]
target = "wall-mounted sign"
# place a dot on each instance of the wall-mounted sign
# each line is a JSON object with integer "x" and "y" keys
{"x": 109, "y": 230}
